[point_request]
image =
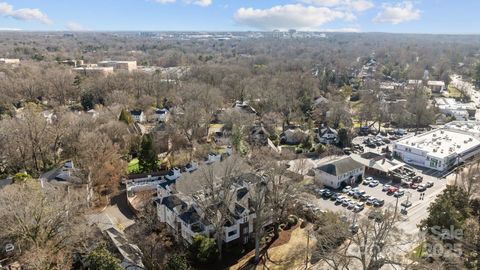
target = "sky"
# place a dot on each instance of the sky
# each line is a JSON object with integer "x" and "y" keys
{"x": 416, "y": 16}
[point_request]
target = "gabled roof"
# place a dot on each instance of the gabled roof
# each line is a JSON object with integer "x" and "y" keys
{"x": 190, "y": 216}
{"x": 161, "y": 111}
{"x": 136, "y": 112}
{"x": 173, "y": 201}
{"x": 340, "y": 166}
{"x": 326, "y": 130}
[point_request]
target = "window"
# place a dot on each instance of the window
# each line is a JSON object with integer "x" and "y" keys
{"x": 245, "y": 230}
{"x": 245, "y": 219}
{"x": 232, "y": 233}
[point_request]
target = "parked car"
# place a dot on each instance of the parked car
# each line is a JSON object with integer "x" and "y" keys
{"x": 334, "y": 196}
{"x": 406, "y": 184}
{"x": 429, "y": 184}
{"x": 392, "y": 190}
{"x": 191, "y": 166}
{"x": 414, "y": 186}
{"x": 399, "y": 193}
{"x": 417, "y": 179}
{"x": 173, "y": 174}
{"x": 359, "y": 206}
{"x": 346, "y": 202}
{"x": 340, "y": 200}
{"x": 327, "y": 194}
{"x": 366, "y": 182}
{"x": 350, "y": 205}
{"x": 373, "y": 183}
{"x": 364, "y": 197}
{"x": 406, "y": 204}
{"x": 371, "y": 200}
{"x": 321, "y": 191}
{"x": 385, "y": 187}
{"x": 346, "y": 189}
{"x": 421, "y": 188}
{"x": 378, "y": 202}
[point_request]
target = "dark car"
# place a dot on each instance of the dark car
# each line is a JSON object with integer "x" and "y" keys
{"x": 378, "y": 202}
{"x": 417, "y": 179}
{"x": 327, "y": 194}
{"x": 421, "y": 188}
{"x": 334, "y": 196}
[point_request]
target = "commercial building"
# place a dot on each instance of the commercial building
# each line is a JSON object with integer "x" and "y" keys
{"x": 439, "y": 149}
{"x": 119, "y": 65}
{"x": 93, "y": 70}
{"x": 339, "y": 172}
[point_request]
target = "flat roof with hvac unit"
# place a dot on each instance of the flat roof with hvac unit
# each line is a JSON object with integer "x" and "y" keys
{"x": 438, "y": 149}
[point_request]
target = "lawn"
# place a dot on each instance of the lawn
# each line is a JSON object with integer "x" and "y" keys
{"x": 453, "y": 92}
{"x": 133, "y": 166}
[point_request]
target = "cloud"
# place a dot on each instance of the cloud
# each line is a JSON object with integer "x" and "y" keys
{"x": 398, "y": 13}
{"x": 284, "y": 17}
{"x": 342, "y": 30}
{"x": 165, "y": 1}
{"x": 202, "y": 3}
{"x": 24, "y": 14}
{"x": 9, "y": 29}
{"x": 74, "y": 26}
{"x": 355, "y": 5}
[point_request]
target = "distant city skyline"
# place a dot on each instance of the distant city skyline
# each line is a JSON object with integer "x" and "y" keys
{"x": 421, "y": 16}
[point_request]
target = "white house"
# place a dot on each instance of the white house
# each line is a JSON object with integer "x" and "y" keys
{"x": 138, "y": 116}
{"x": 340, "y": 172}
{"x": 436, "y": 86}
{"x": 161, "y": 115}
{"x": 327, "y": 135}
{"x": 185, "y": 219}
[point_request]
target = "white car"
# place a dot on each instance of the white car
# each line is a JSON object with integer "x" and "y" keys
{"x": 173, "y": 174}
{"x": 192, "y": 166}
{"x": 211, "y": 158}
{"x": 373, "y": 183}
{"x": 386, "y": 187}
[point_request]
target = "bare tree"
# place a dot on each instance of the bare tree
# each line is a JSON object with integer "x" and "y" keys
{"x": 46, "y": 223}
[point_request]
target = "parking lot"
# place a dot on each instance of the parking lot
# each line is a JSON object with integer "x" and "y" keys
{"x": 417, "y": 210}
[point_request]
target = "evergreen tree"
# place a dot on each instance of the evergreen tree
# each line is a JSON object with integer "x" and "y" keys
{"x": 204, "y": 249}
{"x": 147, "y": 157}
{"x": 177, "y": 263}
{"x": 101, "y": 259}
{"x": 125, "y": 117}
{"x": 87, "y": 101}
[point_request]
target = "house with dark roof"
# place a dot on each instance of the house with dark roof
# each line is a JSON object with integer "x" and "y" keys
{"x": 258, "y": 135}
{"x": 339, "y": 172}
{"x": 138, "y": 116}
{"x": 161, "y": 115}
{"x": 327, "y": 135}
{"x": 185, "y": 219}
